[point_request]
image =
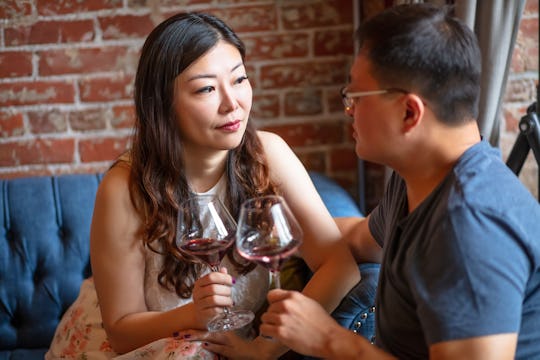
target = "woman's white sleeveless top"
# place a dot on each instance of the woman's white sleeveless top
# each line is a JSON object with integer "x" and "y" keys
{"x": 249, "y": 291}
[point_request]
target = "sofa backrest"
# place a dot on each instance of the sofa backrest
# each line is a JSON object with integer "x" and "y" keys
{"x": 44, "y": 253}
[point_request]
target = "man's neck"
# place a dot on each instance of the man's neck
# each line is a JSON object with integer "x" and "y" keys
{"x": 436, "y": 159}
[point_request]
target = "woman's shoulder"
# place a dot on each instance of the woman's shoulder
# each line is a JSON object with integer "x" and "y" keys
{"x": 115, "y": 181}
{"x": 271, "y": 141}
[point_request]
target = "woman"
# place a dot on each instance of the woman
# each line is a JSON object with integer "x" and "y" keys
{"x": 192, "y": 135}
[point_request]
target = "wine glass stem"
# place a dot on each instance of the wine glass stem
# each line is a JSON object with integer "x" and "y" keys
{"x": 276, "y": 279}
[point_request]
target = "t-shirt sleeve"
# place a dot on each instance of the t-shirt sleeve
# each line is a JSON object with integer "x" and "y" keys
{"x": 376, "y": 224}
{"x": 476, "y": 285}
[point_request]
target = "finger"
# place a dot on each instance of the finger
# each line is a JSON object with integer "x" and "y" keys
{"x": 275, "y": 295}
{"x": 217, "y": 338}
{"x": 208, "y": 293}
{"x": 214, "y": 289}
{"x": 269, "y": 331}
{"x": 213, "y": 301}
{"x": 215, "y": 278}
{"x": 224, "y": 350}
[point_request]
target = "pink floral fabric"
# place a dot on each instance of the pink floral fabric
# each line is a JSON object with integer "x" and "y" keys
{"x": 80, "y": 335}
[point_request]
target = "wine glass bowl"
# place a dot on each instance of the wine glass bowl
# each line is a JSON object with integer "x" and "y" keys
{"x": 268, "y": 233}
{"x": 205, "y": 230}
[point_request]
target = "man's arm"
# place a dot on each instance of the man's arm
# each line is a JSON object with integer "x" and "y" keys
{"x": 303, "y": 325}
{"x": 500, "y": 346}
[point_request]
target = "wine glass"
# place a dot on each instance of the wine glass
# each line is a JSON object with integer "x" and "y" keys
{"x": 205, "y": 230}
{"x": 268, "y": 233}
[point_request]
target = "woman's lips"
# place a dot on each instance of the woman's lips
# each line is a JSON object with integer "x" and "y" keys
{"x": 231, "y": 126}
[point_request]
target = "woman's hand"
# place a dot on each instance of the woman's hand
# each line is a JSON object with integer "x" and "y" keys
{"x": 234, "y": 347}
{"x": 211, "y": 293}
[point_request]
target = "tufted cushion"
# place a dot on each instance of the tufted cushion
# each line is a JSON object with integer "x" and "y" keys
{"x": 44, "y": 256}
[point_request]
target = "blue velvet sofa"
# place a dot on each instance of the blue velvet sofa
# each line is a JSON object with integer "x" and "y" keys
{"x": 44, "y": 257}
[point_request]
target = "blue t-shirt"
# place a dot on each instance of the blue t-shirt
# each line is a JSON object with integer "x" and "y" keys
{"x": 464, "y": 263}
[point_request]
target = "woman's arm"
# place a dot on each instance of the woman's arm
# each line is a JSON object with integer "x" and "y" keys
{"x": 118, "y": 266}
{"x": 356, "y": 233}
{"x": 334, "y": 269}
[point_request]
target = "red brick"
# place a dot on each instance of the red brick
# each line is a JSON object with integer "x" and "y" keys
{"x": 307, "y": 102}
{"x": 75, "y": 6}
{"x": 333, "y": 43}
{"x": 164, "y": 3}
{"x": 308, "y": 15}
{"x": 308, "y": 134}
{"x": 15, "y": 64}
{"x": 38, "y": 151}
{"x": 51, "y": 32}
{"x": 11, "y": 124}
{"x": 330, "y": 72}
{"x": 118, "y": 87}
{"x": 531, "y": 8}
{"x": 312, "y": 160}
{"x": 38, "y": 92}
{"x": 247, "y": 19}
{"x": 373, "y": 7}
{"x": 274, "y": 46}
{"x": 527, "y": 44}
{"x": 265, "y": 106}
{"x": 520, "y": 90}
{"x": 375, "y": 183}
{"x": 47, "y": 121}
{"x": 343, "y": 159}
{"x": 13, "y": 9}
{"x": 512, "y": 116}
{"x": 85, "y": 61}
{"x": 123, "y": 117}
{"x": 334, "y": 102}
{"x": 102, "y": 149}
{"x": 86, "y": 120}
{"x": 125, "y": 26}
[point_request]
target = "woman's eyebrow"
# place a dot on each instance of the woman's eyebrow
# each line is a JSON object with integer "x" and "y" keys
{"x": 204, "y": 76}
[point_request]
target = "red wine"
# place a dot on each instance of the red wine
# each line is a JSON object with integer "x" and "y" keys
{"x": 211, "y": 251}
{"x": 270, "y": 255}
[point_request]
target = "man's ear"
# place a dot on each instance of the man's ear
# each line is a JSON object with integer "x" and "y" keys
{"x": 414, "y": 112}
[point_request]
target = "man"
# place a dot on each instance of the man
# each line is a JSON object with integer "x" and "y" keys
{"x": 460, "y": 272}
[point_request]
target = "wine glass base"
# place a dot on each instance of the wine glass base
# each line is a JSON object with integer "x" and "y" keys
{"x": 233, "y": 320}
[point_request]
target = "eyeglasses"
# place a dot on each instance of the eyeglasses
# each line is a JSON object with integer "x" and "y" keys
{"x": 349, "y": 97}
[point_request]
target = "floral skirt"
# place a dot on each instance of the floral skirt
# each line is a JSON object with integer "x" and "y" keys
{"x": 80, "y": 335}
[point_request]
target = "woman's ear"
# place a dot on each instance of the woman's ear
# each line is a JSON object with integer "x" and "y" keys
{"x": 414, "y": 112}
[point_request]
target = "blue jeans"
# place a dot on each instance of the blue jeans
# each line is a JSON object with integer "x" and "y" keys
{"x": 356, "y": 311}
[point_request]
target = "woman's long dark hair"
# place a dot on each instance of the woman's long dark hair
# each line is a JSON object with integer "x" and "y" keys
{"x": 157, "y": 181}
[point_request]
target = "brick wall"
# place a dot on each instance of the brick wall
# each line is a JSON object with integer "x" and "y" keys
{"x": 67, "y": 69}
{"x": 521, "y": 90}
